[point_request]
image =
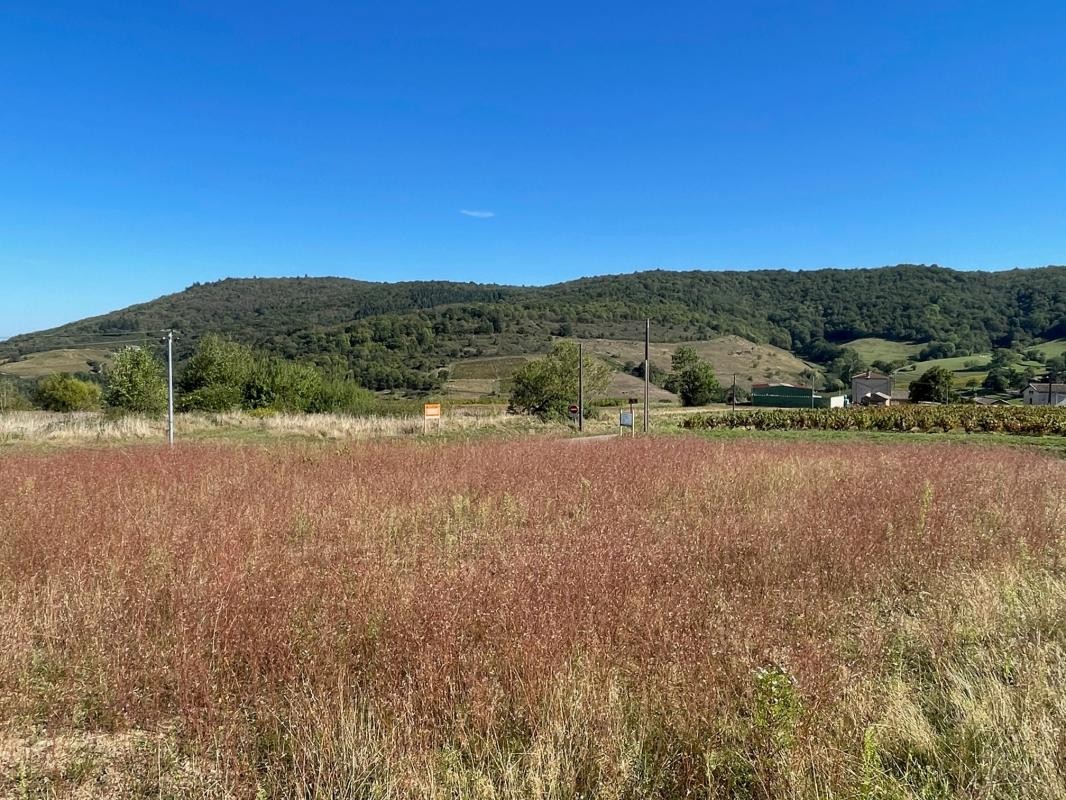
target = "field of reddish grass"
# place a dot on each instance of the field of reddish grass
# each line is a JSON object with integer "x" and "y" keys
{"x": 664, "y": 617}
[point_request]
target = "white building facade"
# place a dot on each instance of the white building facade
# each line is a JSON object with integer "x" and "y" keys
{"x": 1038, "y": 394}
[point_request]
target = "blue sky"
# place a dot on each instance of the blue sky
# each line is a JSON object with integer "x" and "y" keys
{"x": 145, "y": 146}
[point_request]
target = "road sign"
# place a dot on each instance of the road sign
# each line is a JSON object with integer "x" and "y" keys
{"x": 625, "y": 419}
{"x": 430, "y": 411}
{"x": 572, "y": 408}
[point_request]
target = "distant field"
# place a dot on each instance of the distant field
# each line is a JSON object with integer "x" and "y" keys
{"x": 872, "y": 349}
{"x": 37, "y": 365}
{"x": 1052, "y": 349}
{"x": 494, "y": 368}
{"x": 728, "y": 355}
{"x": 965, "y": 368}
{"x": 625, "y": 385}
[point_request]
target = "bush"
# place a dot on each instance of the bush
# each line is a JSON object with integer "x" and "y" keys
{"x": 546, "y": 386}
{"x": 67, "y": 393}
{"x": 344, "y": 397}
{"x": 136, "y": 382}
{"x": 214, "y": 379}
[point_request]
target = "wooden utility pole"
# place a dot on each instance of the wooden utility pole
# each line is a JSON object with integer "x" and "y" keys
{"x": 580, "y": 386}
{"x": 734, "y": 391}
{"x": 647, "y": 370}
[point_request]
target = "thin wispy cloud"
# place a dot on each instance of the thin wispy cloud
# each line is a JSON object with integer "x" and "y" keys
{"x": 469, "y": 212}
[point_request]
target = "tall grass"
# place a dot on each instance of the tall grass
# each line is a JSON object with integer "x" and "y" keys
{"x": 43, "y": 426}
{"x": 651, "y": 618}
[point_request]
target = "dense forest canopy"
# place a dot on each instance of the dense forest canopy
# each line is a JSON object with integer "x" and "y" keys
{"x": 391, "y": 335}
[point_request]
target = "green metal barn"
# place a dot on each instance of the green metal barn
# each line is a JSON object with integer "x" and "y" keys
{"x": 785, "y": 395}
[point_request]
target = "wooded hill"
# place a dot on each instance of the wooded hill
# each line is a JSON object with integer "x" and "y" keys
{"x": 397, "y": 335}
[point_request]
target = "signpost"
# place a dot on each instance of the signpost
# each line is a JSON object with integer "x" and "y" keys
{"x": 574, "y": 410}
{"x": 430, "y": 411}
{"x": 626, "y": 419}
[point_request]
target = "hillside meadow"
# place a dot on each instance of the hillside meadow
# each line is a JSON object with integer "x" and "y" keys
{"x": 663, "y": 617}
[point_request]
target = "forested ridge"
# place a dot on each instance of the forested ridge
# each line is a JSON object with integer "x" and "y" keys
{"x": 390, "y": 335}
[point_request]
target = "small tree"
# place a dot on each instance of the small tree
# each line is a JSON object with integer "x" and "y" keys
{"x": 546, "y": 386}
{"x": 135, "y": 382}
{"x": 692, "y": 379}
{"x": 936, "y": 384}
{"x": 61, "y": 392}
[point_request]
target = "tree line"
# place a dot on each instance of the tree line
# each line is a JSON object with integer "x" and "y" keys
{"x": 220, "y": 375}
{"x": 401, "y": 336}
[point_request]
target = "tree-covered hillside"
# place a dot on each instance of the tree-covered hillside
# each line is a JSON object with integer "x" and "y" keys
{"x": 399, "y": 335}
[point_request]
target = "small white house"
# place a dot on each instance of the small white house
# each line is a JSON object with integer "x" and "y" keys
{"x": 1043, "y": 394}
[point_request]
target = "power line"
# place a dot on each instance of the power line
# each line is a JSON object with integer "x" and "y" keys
{"x": 98, "y": 334}
{"x": 79, "y": 345}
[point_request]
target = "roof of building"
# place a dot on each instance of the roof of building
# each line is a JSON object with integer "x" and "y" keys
{"x": 990, "y": 401}
{"x": 777, "y": 386}
{"x": 1043, "y": 387}
{"x": 871, "y": 373}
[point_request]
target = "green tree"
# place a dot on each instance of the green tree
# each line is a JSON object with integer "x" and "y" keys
{"x": 848, "y": 363}
{"x": 66, "y": 393}
{"x": 692, "y": 379}
{"x": 136, "y": 382}
{"x": 215, "y": 377}
{"x": 546, "y": 386}
{"x": 936, "y": 384}
{"x": 683, "y": 358}
{"x": 698, "y": 386}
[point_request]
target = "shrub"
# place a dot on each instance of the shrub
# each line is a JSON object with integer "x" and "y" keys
{"x": 136, "y": 382}
{"x": 546, "y": 386}
{"x": 66, "y": 393}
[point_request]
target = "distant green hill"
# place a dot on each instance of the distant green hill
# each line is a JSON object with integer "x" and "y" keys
{"x": 399, "y": 335}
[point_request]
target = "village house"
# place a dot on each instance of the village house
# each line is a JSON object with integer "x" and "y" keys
{"x": 871, "y": 388}
{"x": 1038, "y": 394}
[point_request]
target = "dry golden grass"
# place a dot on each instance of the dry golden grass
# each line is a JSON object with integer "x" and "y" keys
{"x": 89, "y": 427}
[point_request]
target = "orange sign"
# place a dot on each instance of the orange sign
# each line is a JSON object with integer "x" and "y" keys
{"x": 431, "y": 410}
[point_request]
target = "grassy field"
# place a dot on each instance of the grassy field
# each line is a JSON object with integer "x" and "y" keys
{"x": 37, "y": 365}
{"x": 873, "y": 349}
{"x": 1053, "y": 349}
{"x": 965, "y": 368}
{"x": 752, "y": 363}
{"x": 663, "y": 617}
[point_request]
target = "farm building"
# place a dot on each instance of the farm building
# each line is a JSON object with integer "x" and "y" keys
{"x": 785, "y": 395}
{"x": 1044, "y": 394}
{"x": 876, "y": 399}
{"x": 871, "y": 388}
